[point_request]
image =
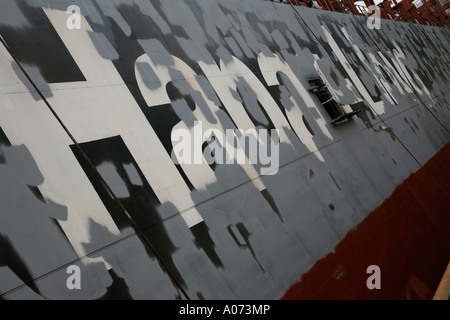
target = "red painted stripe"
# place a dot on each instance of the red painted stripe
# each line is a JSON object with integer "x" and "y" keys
{"x": 408, "y": 237}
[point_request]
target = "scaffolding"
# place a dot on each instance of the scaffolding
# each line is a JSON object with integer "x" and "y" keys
{"x": 427, "y": 12}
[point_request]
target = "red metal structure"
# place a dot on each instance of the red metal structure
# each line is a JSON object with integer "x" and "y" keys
{"x": 428, "y": 12}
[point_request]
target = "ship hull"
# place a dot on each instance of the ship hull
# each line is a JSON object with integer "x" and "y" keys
{"x": 112, "y": 185}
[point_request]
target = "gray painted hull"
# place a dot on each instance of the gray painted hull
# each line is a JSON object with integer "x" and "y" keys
{"x": 91, "y": 182}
